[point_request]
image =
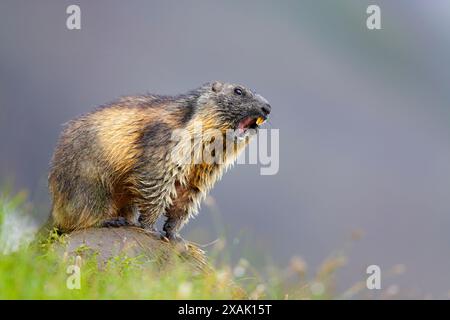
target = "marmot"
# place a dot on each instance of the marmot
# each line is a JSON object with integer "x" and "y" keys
{"x": 115, "y": 166}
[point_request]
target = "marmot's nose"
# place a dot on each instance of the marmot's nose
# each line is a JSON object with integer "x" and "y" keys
{"x": 266, "y": 108}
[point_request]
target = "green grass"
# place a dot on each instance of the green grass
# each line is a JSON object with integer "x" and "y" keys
{"x": 27, "y": 276}
{"x": 27, "y": 273}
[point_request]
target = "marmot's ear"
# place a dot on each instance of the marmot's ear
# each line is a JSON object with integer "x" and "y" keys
{"x": 217, "y": 86}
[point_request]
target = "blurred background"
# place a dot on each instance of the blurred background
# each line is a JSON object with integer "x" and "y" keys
{"x": 363, "y": 117}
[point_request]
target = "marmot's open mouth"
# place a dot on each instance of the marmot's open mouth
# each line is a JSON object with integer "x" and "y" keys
{"x": 250, "y": 123}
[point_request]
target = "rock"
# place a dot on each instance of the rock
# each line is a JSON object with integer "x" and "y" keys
{"x": 132, "y": 242}
{"x": 109, "y": 243}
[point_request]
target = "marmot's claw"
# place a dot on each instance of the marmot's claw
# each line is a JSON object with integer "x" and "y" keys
{"x": 178, "y": 241}
{"x": 153, "y": 231}
{"x": 164, "y": 238}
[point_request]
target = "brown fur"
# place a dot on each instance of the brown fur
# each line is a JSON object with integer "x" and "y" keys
{"x": 114, "y": 162}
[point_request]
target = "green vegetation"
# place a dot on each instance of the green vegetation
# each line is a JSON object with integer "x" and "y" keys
{"x": 28, "y": 273}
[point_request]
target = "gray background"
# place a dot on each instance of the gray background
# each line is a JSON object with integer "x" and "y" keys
{"x": 363, "y": 116}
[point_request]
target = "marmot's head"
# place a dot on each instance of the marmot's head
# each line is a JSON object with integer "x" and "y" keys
{"x": 235, "y": 106}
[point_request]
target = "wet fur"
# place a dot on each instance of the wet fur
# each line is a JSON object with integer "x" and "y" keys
{"x": 115, "y": 161}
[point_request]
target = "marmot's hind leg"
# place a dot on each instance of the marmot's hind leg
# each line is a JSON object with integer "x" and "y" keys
{"x": 128, "y": 216}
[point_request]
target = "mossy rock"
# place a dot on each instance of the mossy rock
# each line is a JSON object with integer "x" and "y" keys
{"x": 106, "y": 244}
{"x": 132, "y": 242}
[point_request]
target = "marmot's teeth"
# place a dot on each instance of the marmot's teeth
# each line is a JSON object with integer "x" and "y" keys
{"x": 260, "y": 121}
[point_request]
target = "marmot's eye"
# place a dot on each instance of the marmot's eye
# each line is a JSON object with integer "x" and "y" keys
{"x": 238, "y": 91}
